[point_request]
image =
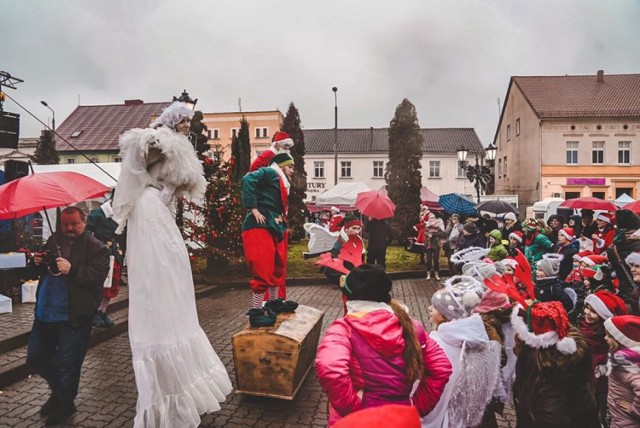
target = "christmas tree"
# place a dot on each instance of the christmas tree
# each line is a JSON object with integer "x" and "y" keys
{"x": 46, "y": 153}
{"x": 297, "y": 194}
{"x": 213, "y": 226}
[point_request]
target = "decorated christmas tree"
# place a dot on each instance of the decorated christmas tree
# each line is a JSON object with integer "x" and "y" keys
{"x": 213, "y": 226}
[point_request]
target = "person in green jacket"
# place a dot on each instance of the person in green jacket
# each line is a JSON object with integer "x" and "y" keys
{"x": 497, "y": 250}
{"x": 536, "y": 243}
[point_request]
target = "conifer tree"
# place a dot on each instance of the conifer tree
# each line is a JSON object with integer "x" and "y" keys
{"x": 46, "y": 153}
{"x": 297, "y": 193}
{"x": 402, "y": 173}
{"x": 241, "y": 151}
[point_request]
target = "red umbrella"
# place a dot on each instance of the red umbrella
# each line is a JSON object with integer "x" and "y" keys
{"x": 589, "y": 203}
{"x": 44, "y": 190}
{"x": 374, "y": 204}
{"x": 633, "y": 206}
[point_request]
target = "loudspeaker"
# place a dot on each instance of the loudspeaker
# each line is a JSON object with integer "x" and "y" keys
{"x": 9, "y": 130}
{"x": 15, "y": 169}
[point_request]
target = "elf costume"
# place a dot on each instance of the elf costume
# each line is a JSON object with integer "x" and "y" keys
{"x": 267, "y": 191}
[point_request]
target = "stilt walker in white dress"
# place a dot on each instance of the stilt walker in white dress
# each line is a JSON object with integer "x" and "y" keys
{"x": 178, "y": 374}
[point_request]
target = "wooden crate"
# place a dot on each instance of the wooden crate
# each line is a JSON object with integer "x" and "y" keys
{"x": 274, "y": 361}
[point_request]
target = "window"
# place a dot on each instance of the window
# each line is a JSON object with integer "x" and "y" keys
{"x": 508, "y": 132}
{"x": 234, "y": 132}
{"x": 94, "y": 159}
{"x": 71, "y": 160}
{"x": 517, "y": 127}
{"x": 571, "y": 195}
{"x": 378, "y": 169}
{"x": 434, "y": 169}
{"x": 262, "y": 132}
{"x": 599, "y": 195}
{"x": 462, "y": 171}
{"x": 572, "y": 152}
{"x": 597, "y": 153}
{"x": 76, "y": 134}
{"x": 214, "y": 133}
{"x": 117, "y": 159}
{"x": 345, "y": 169}
{"x": 499, "y": 168}
{"x": 318, "y": 169}
{"x": 504, "y": 167}
{"x": 624, "y": 152}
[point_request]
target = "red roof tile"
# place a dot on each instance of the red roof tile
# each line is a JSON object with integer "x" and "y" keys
{"x": 617, "y": 95}
{"x": 100, "y": 126}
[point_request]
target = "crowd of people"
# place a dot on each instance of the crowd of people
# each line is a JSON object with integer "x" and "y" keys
{"x": 541, "y": 316}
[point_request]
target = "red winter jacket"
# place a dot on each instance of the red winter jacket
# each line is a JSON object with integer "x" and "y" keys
{"x": 360, "y": 363}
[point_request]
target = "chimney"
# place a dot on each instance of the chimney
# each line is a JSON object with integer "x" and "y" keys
{"x": 600, "y": 76}
{"x": 133, "y": 102}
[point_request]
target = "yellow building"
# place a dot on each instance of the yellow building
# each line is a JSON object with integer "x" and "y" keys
{"x": 569, "y": 136}
{"x": 262, "y": 126}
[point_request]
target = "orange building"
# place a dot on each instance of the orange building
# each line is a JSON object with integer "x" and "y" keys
{"x": 262, "y": 126}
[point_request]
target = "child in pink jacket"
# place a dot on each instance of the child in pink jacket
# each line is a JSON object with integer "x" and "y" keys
{"x": 623, "y": 337}
{"x": 375, "y": 354}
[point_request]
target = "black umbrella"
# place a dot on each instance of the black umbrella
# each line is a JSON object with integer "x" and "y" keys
{"x": 497, "y": 207}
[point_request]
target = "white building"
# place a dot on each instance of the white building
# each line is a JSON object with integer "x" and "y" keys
{"x": 363, "y": 154}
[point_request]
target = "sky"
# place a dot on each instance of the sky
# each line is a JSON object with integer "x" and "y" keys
{"x": 451, "y": 58}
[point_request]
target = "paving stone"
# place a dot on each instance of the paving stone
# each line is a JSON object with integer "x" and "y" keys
{"x": 108, "y": 395}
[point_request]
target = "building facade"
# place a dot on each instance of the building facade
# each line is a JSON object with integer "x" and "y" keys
{"x": 224, "y": 126}
{"x": 569, "y": 136}
{"x": 364, "y": 153}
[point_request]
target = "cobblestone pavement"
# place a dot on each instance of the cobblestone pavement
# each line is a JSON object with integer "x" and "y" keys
{"x": 107, "y": 389}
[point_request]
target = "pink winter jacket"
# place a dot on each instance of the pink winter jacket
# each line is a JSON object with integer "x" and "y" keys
{"x": 624, "y": 388}
{"x": 360, "y": 364}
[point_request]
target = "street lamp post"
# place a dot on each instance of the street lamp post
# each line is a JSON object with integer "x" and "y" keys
{"x": 185, "y": 98}
{"x": 479, "y": 175}
{"x": 335, "y": 136}
{"x": 53, "y": 117}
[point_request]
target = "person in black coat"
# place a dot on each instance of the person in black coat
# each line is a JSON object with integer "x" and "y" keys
{"x": 623, "y": 245}
{"x": 471, "y": 237}
{"x": 379, "y": 234}
{"x": 567, "y": 246}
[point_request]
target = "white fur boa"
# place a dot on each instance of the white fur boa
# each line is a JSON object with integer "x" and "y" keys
{"x": 566, "y": 346}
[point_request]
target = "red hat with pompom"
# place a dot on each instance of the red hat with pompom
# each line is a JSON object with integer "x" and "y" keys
{"x": 544, "y": 324}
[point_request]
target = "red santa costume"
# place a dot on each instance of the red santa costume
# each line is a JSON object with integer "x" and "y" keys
{"x": 335, "y": 224}
{"x": 604, "y": 235}
{"x": 281, "y": 143}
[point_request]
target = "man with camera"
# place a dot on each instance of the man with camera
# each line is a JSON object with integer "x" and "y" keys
{"x": 72, "y": 267}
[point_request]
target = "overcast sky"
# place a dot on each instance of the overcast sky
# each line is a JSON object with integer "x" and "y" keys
{"x": 452, "y": 59}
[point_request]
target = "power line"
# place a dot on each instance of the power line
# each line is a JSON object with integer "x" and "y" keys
{"x": 61, "y": 137}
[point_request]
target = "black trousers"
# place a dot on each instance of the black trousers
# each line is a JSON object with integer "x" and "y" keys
{"x": 377, "y": 256}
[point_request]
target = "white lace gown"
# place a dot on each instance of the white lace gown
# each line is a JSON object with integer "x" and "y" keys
{"x": 178, "y": 374}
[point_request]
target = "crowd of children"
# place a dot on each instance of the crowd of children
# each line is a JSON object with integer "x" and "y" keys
{"x": 548, "y": 322}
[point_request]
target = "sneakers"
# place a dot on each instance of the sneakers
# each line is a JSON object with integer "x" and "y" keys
{"x": 49, "y": 406}
{"x": 437, "y": 277}
{"x": 280, "y": 306}
{"x": 60, "y": 414}
{"x": 264, "y": 317}
{"x": 428, "y": 276}
{"x": 102, "y": 320}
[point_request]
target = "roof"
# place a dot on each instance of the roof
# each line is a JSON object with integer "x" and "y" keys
{"x": 615, "y": 95}
{"x": 100, "y": 126}
{"x": 368, "y": 140}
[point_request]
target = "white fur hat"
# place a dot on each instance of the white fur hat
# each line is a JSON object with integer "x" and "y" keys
{"x": 633, "y": 258}
{"x": 510, "y": 216}
{"x": 173, "y": 115}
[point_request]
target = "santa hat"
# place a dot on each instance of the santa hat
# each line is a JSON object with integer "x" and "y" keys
{"x": 633, "y": 258}
{"x": 283, "y": 138}
{"x": 606, "y": 304}
{"x": 283, "y": 159}
{"x": 550, "y": 264}
{"x": 510, "y": 216}
{"x": 589, "y": 273}
{"x": 517, "y": 235}
{"x": 604, "y": 217}
{"x": 335, "y": 210}
{"x": 350, "y": 221}
{"x": 594, "y": 259}
{"x": 579, "y": 256}
{"x": 625, "y": 329}
{"x": 380, "y": 417}
{"x": 458, "y": 297}
{"x": 568, "y": 233}
{"x": 545, "y": 324}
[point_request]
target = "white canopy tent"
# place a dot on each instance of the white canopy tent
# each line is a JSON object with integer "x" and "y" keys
{"x": 344, "y": 194}
{"x": 623, "y": 200}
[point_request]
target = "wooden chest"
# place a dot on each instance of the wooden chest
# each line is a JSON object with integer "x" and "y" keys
{"x": 274, "y": 361}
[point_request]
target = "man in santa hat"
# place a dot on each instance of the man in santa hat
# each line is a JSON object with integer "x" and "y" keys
{"x": 265, "y": 194}
{"x": 281, "y": 143}
{"x": 335, "y": 224}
